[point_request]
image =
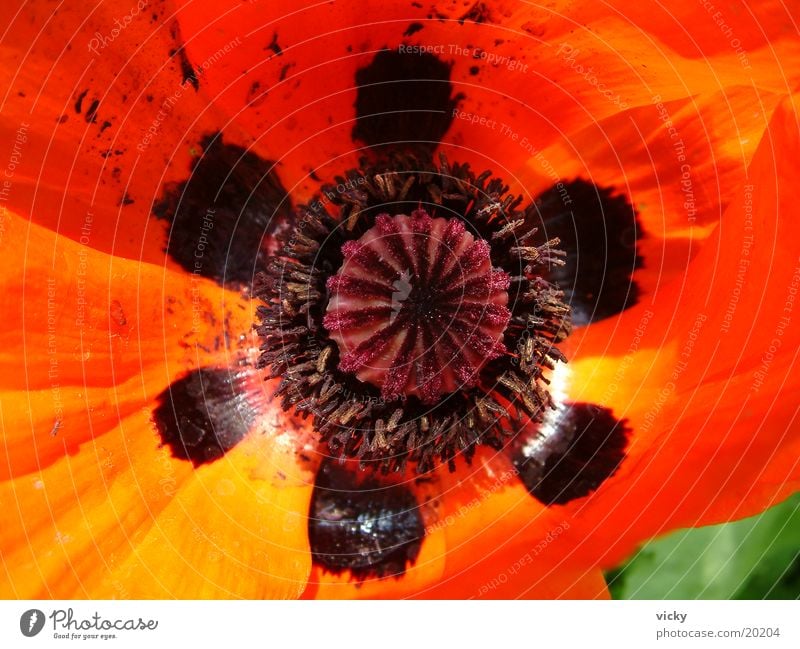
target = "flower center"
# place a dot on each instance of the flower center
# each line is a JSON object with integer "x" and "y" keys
{"x": 416, "y": 307}
{"x": 406, "y": 337}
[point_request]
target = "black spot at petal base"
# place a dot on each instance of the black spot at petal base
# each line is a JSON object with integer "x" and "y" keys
{"x": 598, "y": 229}
{"x": 220, "y": 214}
{"x": 204, "y": 414}
{"x": 404, "y": 97}
{"x": 572, "y": 456}
{"x": 361, "y": 525}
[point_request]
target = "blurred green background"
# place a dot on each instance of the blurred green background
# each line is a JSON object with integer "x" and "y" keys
{"x": 754, "y": 558}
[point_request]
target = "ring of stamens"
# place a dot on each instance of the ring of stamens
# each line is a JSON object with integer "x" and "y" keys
{"x": 364, "y": 405}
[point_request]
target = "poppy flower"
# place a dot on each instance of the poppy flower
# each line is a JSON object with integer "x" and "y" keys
{"x": 410, "y": 300}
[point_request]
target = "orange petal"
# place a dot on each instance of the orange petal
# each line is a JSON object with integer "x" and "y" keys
{"x": 699, "y": 30}
{"x": 475, "y": 545}
{"x": 525, "y": 67}
{"x": 679, "y": 163}
{"x": 123, "y": 519}
{"x": 40, "y": 426}
{"x": 237, "y": 528}
{"x": 286, "y": 87}
{"x": 587, "y": 63}
{"x": 65, "y": 526}
{"x": 516, "y": 574}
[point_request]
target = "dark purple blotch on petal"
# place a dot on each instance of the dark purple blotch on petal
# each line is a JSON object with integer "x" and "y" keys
{"x": 362, "y": 525}
{"x": 571, "y": 454}
{"x": 404, "y": 98}
{"x": 204, "y": 414}
{"x": 599, "y": 230}
{"x": 220, "y": 215}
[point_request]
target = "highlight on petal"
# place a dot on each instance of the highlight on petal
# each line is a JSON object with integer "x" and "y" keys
{"x": 370, "y": 529}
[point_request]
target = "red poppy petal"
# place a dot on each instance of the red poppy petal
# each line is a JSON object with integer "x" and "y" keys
{"x": 585, "y": 64}
{"x": 86, "y": 111}
{"x": 710, "y": 396}
{"x": 705, "y": 446}
{"x": 475, "y": 546}
{"x": 90, "y": 338}
{"x": 522, "y": 66}
{"x": 679, "y": 162}
{"x": 702, "y": 30}
{"x": 77, "y": 316}
{"x": 44, "y": 95}
{"x": 517, "y": 575}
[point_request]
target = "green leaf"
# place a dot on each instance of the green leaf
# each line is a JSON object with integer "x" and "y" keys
{"x": 754, "y": 558}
